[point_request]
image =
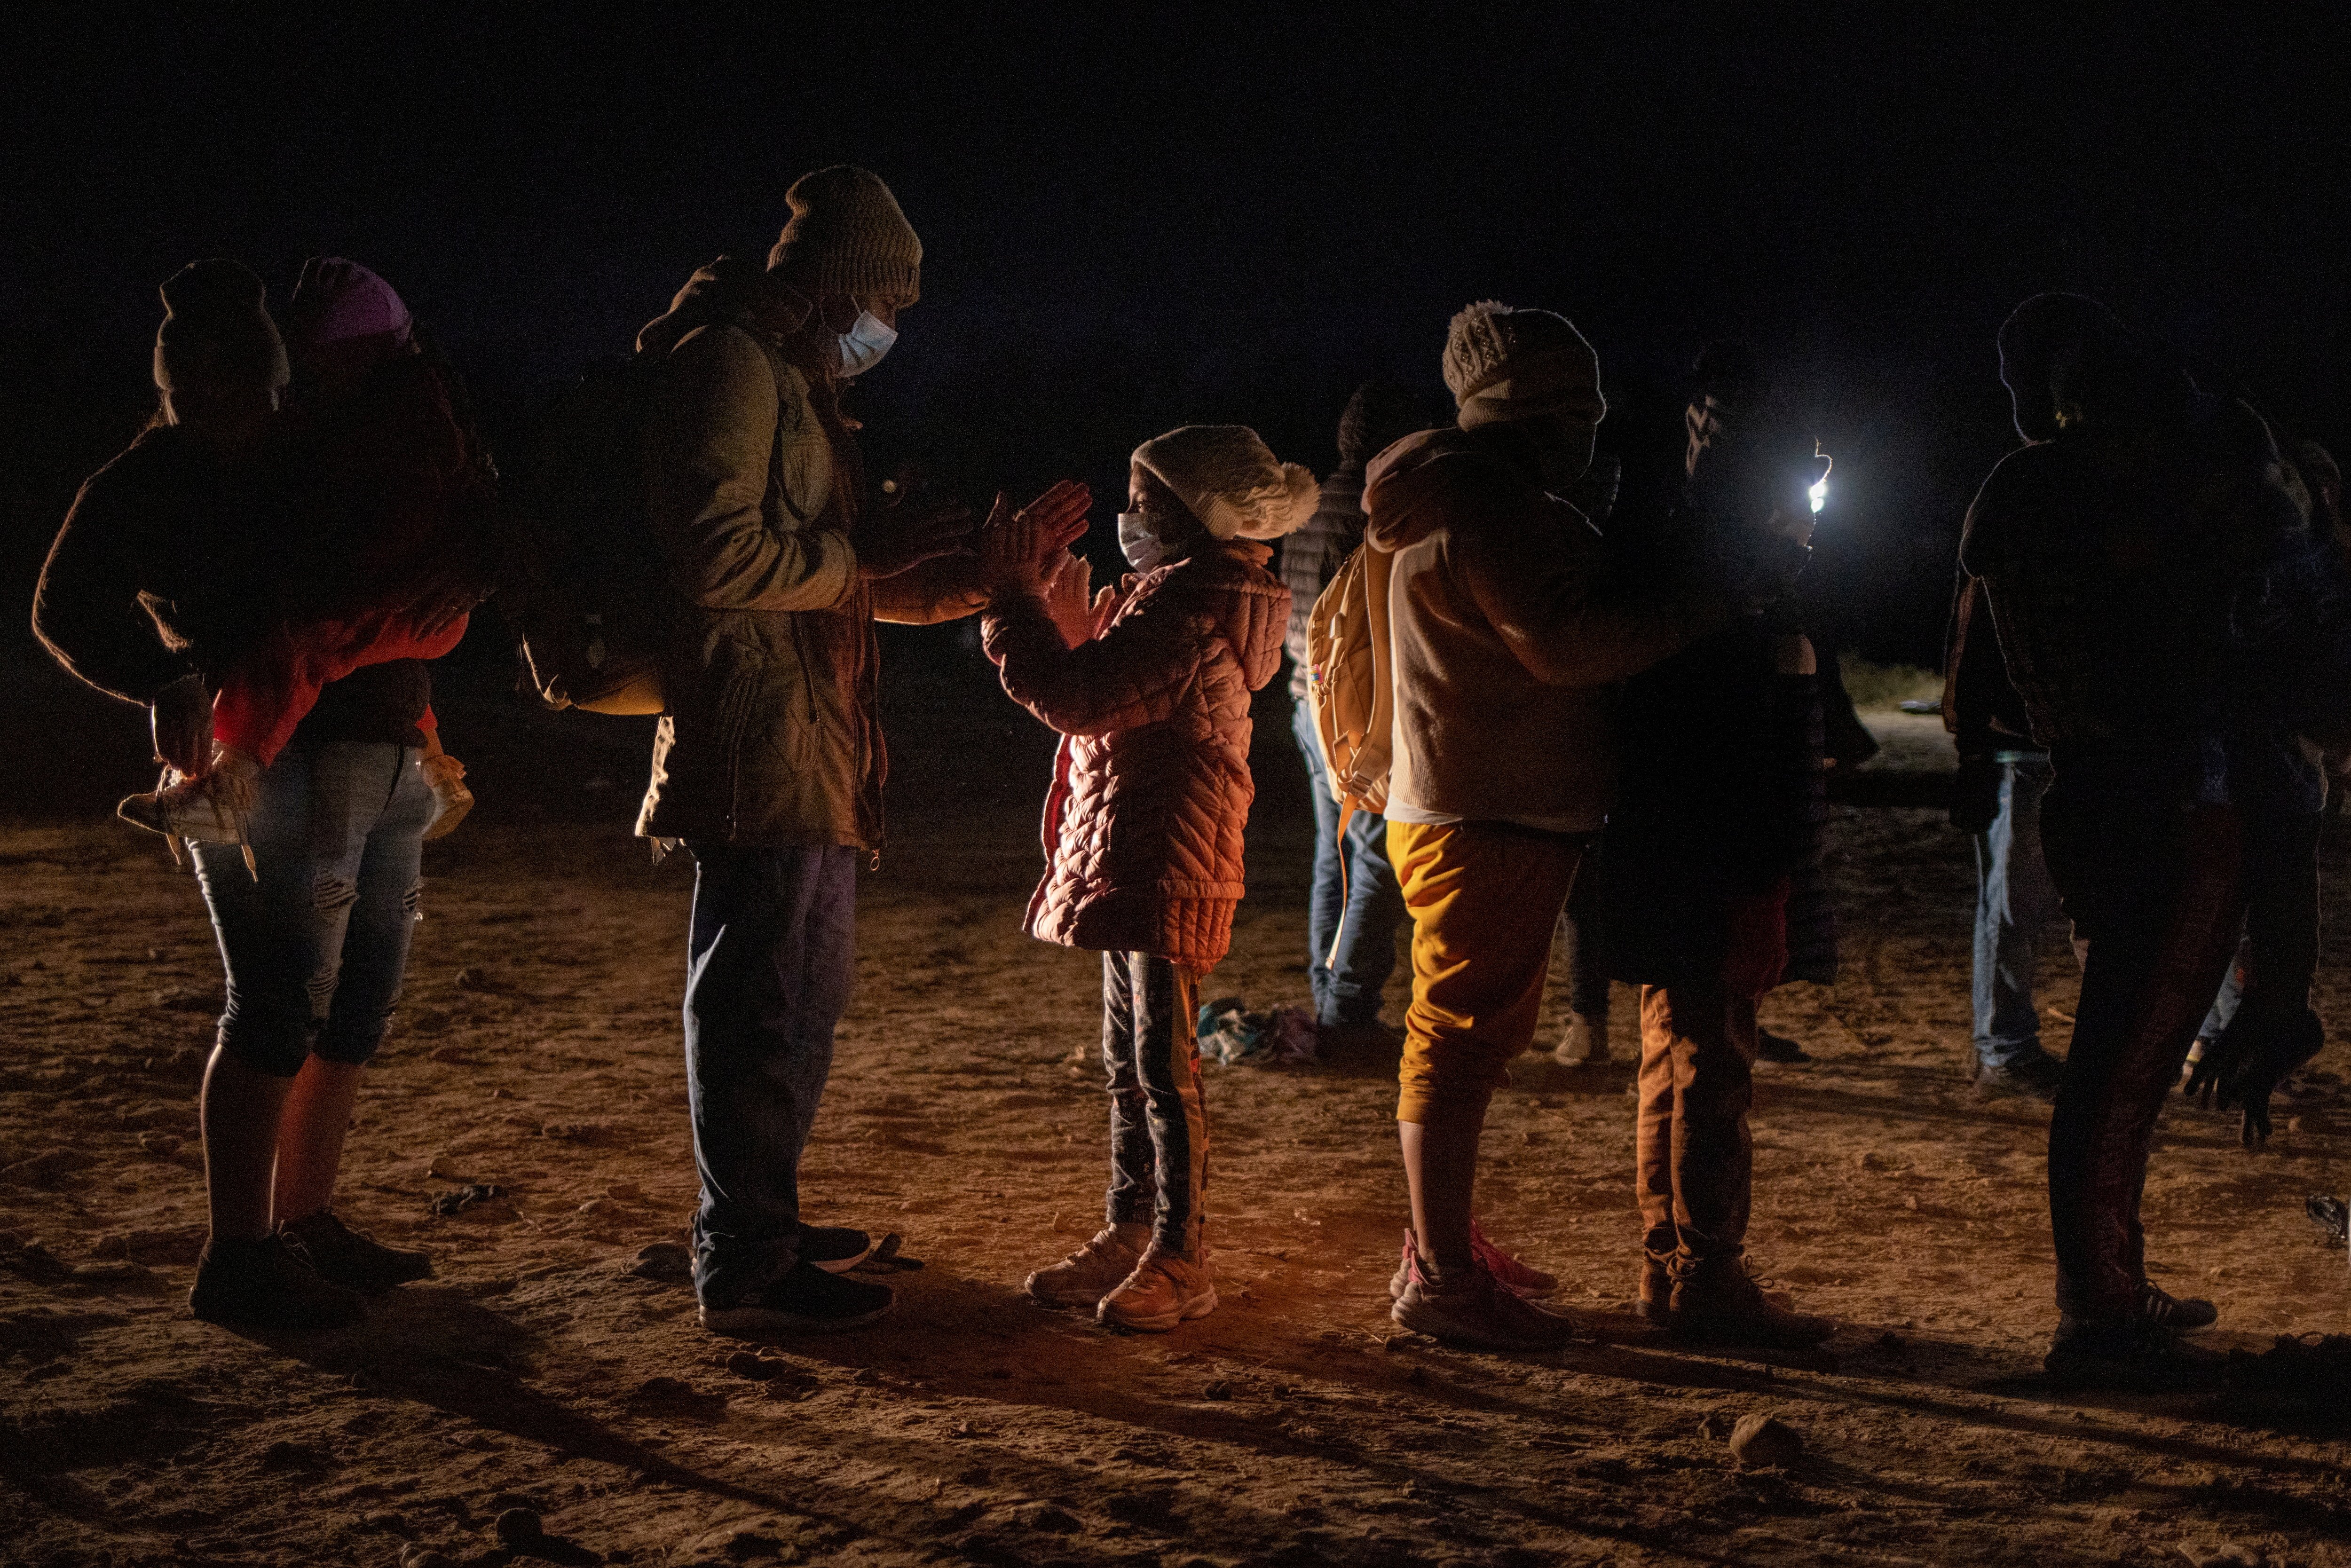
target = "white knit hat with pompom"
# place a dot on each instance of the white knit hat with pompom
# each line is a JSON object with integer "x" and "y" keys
{"x": 1231, "y": 480}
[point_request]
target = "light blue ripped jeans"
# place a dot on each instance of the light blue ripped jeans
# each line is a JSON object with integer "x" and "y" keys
{"x": 316, "y": 950}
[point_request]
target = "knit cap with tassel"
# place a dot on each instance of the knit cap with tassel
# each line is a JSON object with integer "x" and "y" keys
{"x": 1503, "y": 364}
{"x": 1231, "y": 480}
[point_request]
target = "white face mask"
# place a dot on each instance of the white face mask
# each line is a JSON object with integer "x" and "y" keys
{"x": 1139, "y": 541}
{"x": 863, "y": 345}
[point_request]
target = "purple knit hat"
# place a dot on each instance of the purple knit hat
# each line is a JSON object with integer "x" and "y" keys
{"x": 338, "y": 301}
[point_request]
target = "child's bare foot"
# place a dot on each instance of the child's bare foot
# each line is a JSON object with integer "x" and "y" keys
{"x": 212, "y": 807}
{"x": 451, "y": 798}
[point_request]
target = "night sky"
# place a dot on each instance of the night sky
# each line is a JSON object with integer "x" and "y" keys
{"x": 1227, "y": 214}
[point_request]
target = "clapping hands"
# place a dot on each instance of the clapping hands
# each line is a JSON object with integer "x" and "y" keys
{"x": 1017, "y": 548}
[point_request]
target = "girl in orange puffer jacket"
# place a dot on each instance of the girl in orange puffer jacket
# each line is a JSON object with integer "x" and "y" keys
{"x": 1149, "y": 684}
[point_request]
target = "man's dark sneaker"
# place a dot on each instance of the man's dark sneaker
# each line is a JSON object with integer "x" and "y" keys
{"x": 2034, "y": 1077}
{"x": 1779, "y": 1047}
{"x": 804, "y": 1300}
{"x": 835, "y": 1249}
{"x": 2161, "y": 1308}
{"x": 351, "y": 1259}
{"x": 265, "y": 1284}
{"x": 2129, "y": 1355}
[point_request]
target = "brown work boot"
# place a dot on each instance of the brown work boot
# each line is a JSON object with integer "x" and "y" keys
{"x": 1657, "y": 1290}
{"x": 1085, "y": 1277}
{"x": 1717, "y": 1301}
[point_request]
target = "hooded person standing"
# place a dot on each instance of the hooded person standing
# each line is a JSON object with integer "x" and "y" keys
{"x": 769, "y": 761}
{"x": 1506, "y": 635}
{"x": 1149, "y": 685}
{"x": 1354, "y": 900}
{"x": 2109, "y": 548}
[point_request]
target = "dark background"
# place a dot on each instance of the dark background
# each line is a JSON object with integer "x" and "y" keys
{"x": 1136, "y": 219}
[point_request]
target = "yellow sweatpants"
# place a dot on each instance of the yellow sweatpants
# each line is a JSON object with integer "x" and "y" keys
{"x": 1484, "y": 898}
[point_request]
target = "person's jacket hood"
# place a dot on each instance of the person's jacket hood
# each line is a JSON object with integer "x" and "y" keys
{"x": 1419, "y": 480}
{"x": 735, "y": 289}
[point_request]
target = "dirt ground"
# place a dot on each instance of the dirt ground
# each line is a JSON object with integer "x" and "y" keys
{"x": 539, "y": 1050}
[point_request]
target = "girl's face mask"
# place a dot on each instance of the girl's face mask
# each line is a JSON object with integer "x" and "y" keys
{"x": 1138, "y": 540}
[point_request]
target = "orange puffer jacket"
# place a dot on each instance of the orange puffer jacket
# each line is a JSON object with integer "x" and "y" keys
{"x": 1151, "y": 786}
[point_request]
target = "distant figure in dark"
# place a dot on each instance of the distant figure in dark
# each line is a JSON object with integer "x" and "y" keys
{"x": 769, "y": 760}
{"x": 179, "y": 559}
{"x": 2111, "y": 549}
{"x": 1149, "y": 685}
{"x": 1708, "y": 869}
{"x": 1351, "y": 880}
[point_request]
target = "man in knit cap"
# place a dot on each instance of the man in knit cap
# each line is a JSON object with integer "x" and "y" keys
{"x": 1354, "y": 899}
{"x": 1505, "y": 633}
{"x": 769, "y": 761}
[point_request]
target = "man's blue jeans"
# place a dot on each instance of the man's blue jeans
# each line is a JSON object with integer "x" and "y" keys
{"x": 1347, "y": 992}
{"x": 2014, "y": 904}
{"x": 770, "y": 955}
{"x": 317, "y": 949}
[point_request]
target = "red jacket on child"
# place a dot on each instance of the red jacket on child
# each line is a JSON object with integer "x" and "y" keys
{"x": 1151, "y": 786}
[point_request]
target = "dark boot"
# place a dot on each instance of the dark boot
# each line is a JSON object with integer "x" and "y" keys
{"x": 265, "y": 1284}
{"x": 1657, "y": 1292}
{"x": 351, "y": 1259}
{"x": 1715, "y": 1302}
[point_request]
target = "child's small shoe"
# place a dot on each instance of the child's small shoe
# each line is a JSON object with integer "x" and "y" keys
{"x": 451, "y": 798}
{"x": 1164, "y": 1290}
{"x": 1085, "y": 1277}
{"x": 211, "y": 808}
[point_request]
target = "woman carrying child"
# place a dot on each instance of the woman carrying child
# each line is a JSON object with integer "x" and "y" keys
{"x": 1149, "y": 684}
{"x": 170, "y": 579}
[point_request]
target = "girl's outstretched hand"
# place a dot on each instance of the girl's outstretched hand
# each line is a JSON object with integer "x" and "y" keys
{"x": 1016, "y": 547}
{"x": 1068, "y": 598}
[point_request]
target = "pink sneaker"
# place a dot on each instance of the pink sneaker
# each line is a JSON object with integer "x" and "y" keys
{"x": 1470, "y": 1308}
{"x": 1508, "y": 1273}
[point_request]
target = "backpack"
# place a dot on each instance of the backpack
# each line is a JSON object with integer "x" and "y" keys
{"x": 587, "y": 607}
{"x": 1348, "y": 686}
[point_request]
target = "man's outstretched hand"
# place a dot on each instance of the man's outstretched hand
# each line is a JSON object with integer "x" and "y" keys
{"x": 1015, "y": 548}
{"x": 891, "y": 538}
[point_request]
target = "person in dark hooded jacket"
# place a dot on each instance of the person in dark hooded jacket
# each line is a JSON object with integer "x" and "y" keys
{"x": 2109, "y": 548}
{"x": 1355, "y": 900}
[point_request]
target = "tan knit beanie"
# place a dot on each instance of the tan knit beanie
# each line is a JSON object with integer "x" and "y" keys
{"x": 1230, "y": 480}
{"x": 1505, "y": 364}
{"x": 215, "y": 331}
{"x": 848, "y": 237}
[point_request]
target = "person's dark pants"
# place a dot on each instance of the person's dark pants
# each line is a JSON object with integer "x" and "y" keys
{"x": 1693, "y": 1160}
{"x": 1587, "y": 959}
{"x": 316, "y": 949}
{"x": 770, "y": 954}
{"x": 1158, "y": 1122}
{"x": 2155, "y": 895}
{"x": 1355, "y": 878}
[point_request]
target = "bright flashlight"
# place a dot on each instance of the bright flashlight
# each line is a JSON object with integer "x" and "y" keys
{"x": 1819, "y": 488}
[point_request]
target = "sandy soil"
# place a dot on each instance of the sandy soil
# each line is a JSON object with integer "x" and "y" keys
{"x": 539, "y": 1050}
